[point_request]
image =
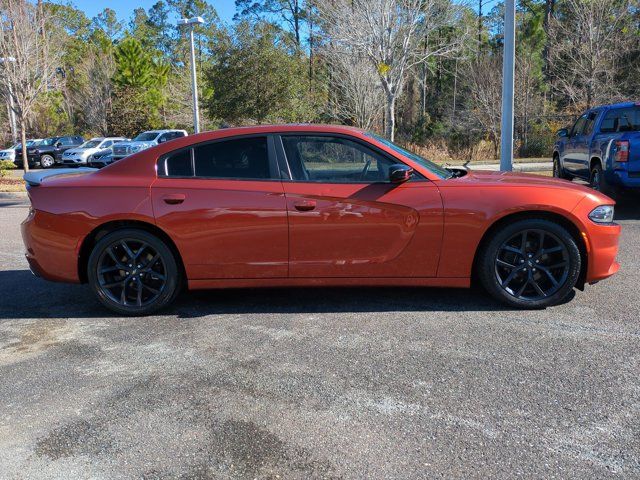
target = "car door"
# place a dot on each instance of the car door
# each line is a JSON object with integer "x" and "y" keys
{"x": 62, "y": 145}
{"x": 582, "y": 145}
{"x": 571, "y": 160}
{"x": 347, "y": 220}
{"x": 223, "y": 204}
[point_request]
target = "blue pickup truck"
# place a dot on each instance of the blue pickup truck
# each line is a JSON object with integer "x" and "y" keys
{"x": 602, "y": 147}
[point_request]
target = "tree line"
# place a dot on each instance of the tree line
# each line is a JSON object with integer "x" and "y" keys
{"x": 426, "y": 72}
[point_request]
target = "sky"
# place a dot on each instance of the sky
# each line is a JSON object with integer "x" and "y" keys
{"x": 124, "y": 8}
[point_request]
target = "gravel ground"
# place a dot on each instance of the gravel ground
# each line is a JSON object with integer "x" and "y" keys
{"x": 326, "y": 383}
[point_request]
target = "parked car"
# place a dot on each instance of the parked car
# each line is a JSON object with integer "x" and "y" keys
{"x": 49, "y": 151}
{"x": 303, "y": 205}
{"x": 602, "y": 147}
{"x": 101, "y": 159}
{"x": 144, "y": 141}
{"x": 33, "y": 142}
{"x": 9, "y": 154}
{"x": 81, "y": 154}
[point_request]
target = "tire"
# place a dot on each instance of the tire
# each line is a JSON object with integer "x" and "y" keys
{"x": 543, "y": 265}
{"x": 598, "y": 181}
{"x": 127, "y": 288}
{"x": 47, "y": 161}
{"x": 558, "y": 171}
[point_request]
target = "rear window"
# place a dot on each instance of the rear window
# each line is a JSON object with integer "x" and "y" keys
{"x": 621, "y": 120}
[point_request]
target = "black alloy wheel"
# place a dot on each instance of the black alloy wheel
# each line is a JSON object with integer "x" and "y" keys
{"x": 133, "y": 272}
{"x": 530, "y": 264}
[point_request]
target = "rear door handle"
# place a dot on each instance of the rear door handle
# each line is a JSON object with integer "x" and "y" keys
{"x": 174, "y": 198}
{"x": 305, "y": 206}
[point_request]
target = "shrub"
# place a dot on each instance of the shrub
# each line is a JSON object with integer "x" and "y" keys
{"x": 5, "y": 166}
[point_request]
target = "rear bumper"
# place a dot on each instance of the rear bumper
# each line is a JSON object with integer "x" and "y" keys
{"x": 52, "y": 246}
{"x": 623, "y": 178}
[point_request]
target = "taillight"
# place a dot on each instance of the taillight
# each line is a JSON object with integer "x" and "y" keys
{"x": 622, "y": 151}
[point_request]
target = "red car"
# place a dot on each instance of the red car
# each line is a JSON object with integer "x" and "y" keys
{"x": 305, "y": 205}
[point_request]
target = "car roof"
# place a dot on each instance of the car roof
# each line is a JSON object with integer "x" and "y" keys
{"x": 288, "y": 127}
{"x": 623, "y": 105}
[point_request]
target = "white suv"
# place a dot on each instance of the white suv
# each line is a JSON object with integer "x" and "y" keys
{"x": 80, "y": 155}
{"x": 145, "y": 140}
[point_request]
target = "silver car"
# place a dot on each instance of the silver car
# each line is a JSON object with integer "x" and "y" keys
{"x": 81, "y": 154}
{"x": 145, "y": 140}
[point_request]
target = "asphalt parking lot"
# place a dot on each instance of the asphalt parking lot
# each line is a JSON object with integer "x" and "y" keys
{"x": 327, "y": 383}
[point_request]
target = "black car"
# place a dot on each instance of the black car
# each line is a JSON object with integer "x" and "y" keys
{"x": 49, "y": 151}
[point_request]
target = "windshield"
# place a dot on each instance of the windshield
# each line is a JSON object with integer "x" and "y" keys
{"x": 146, "y": 137}
{"x": 441, "y": 172}
{"x": 91, "y": 144}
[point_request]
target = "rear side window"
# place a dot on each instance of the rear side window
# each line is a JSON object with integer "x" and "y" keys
{"x": 245, "y": 158}
{"x": 621, "y": 120}
{"x": 179, "y": 164}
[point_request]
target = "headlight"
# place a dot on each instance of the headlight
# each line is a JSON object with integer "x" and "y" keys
{"x": 602, "y": 214}
{"x": 136, "y": 148}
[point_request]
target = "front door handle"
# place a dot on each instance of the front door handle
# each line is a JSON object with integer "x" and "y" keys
{"x": 174, "y": 198}
{"x": 305, "y": 206}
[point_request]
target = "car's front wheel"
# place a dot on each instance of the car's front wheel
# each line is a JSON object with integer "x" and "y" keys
{"x": 133, "y": 272}
{"x": 558, "y": 171}
{"x": 531, "y": 263}
{"x": 47, "y": 161}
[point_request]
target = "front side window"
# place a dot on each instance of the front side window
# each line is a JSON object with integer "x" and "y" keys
{"x": 333, "y": 160}
{"x": 578, "y": 127}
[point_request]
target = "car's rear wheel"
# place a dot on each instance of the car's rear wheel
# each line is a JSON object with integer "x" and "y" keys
{"x": 133, "y": 272}
{"x": 47, "y": 161}
{"x": 558, "y": 171}
{"x": 531, "y": 263}
{"x": 598, "y": 181}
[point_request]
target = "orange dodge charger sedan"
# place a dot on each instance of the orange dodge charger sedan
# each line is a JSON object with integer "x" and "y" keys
{"x": 308, "y": 205}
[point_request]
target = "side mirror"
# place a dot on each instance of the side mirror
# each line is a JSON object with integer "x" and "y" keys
{"x": 563, "y": 132}
{"x": 58, "y": 144}
{"x": 400, "y": 173}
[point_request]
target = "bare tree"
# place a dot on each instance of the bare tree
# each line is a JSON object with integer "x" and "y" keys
{"x": 586, "y": 44}
{"x": 92, "y": 91}
{"x": 28, "y": 60}
{"x": 390, "y": 34}
{"x": 486, "y": 95}
{"x": 358, "y": 97}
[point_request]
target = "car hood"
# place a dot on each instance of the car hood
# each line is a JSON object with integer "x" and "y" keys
{"x": 81, "y": 150}
{"x": 131, "y": 144}
{"x": 8, "y": 150}
{"x": 494, "y": 178}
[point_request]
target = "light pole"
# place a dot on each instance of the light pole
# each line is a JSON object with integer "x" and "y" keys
{"x": 508, "y": 66}
{"x": 12, "y": 113}
{"x": 191, "y": 23}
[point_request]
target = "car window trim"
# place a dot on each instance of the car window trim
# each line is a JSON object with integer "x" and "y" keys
{"x": 283, "y": 160}
{"x": 161, "y": 163}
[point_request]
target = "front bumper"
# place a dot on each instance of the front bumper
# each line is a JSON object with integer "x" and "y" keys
{"x": 601, "y": 243}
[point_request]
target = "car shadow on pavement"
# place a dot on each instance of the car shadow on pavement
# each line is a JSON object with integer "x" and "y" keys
{"x": 30, "y": 297}
{"x": 628, "y": 206}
